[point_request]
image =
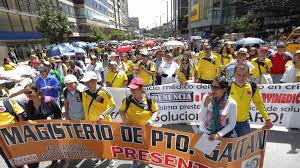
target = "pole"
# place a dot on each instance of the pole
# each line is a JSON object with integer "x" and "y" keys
{"x": 167, "y": 18}
{"x": 171, "y": 17}
{"x": 189, "y": 19}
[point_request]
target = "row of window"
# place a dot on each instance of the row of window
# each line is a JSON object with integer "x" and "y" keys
{"x": 16, "y": 22}
{"x": 97, "y": 6}
{"x": 25, "y": 6}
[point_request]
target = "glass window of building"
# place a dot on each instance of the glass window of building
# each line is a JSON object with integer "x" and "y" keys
{"x": 34, "y": 22}
{"x": 16, "y": 22}
{"x": 5, "y": 24}
{"x": 27, "y": 23}
{"x": 33, "y": 6}
{"x": 24, "y": 6}
{"x": 3, "y": 4}
{"x": 12, "y": 4}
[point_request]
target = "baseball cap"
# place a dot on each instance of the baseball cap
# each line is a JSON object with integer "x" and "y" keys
{"x": 35, "y": 62}
{"x": 263, "y": 49}
{"x": 243, "y": 51}
{"x": 90, "y": 75}
{"x": 46, "y": 63}
{"x": 280, "y": 45}
{"x": 42, "y": 68}
{"x": 113, "y": 63}
{"x": 145, "y": 53}
{"x": 93, "y": 57}
{"x": 297, "y": 53}
{"x": 70, "y": 79}
{"x": 136, "y": 83}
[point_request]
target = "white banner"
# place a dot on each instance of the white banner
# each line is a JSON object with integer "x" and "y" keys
{"x": 181, "y": 103}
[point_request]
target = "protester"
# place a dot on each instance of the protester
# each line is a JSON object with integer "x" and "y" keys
{"x": 48, "y": 84}
{"x": 218, "y": 113}
{"x": 115, "y": 77}
{"x": 292, "y": 73}
{"x": 225, "y": 56}
{"x": 262, "y": 65}
{"x": 96, "y": 67}
{"x": 60, "y": 65}
{"x": 12, "y": 56}
{"x": 40, "y": 107}
{"x": 146, "y": 69}
{"x": 240, "y": 59}
{"x": 185, "y": 71}
{"x": 129, "y": 66}
{"x": 208, "y": 67}
{"x": 253, "y": 53}
{"x": 98, "y": 103}
{"x": 75, "y": 70}
{"x": 243, "y": 92}
{"x": 168, "y": 70}
{"x": 279, "y": 59}
{"x": 137, "y": 109}
{"x": 8, "y": 65}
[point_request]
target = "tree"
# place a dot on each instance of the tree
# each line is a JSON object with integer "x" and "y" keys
{"x": 246, "y": 24}
{"x": 117, "y": 35}
{"x": 52, "y": 22}
{"x": 97, "y": 34}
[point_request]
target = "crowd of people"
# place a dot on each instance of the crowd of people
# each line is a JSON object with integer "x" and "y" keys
{"x": 232, "y": 73}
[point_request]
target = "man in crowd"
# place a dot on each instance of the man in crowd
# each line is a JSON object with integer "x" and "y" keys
{"x": 96, "y": 67}
{"x": 115, "y": 77}
{"x": 168, "y": 69}
{"x": 243, "y": 92}
{"x": 146, "y": 69}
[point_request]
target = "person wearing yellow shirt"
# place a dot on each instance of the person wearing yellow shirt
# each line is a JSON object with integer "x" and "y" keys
{"x": 115, "y": 77}
{"x": 262, "y": 65}
{"x": 8, "y": 65}
{"x": 225, "y": 57}
{"x": 185, "y": 71}
{"x": 137, "y": 108}
{"x": 98, "y": 103}
{"x": 208, "y": 67}
{"x": 243, "y": 92}
{"x": 146, "y": 69}
{"x": 129, "y": 66}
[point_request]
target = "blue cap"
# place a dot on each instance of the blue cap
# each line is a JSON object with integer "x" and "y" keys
{"x": 145, "y": 53}
{"x": 281, "y": 44}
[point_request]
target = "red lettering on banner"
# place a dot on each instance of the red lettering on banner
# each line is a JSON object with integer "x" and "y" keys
{"x": 281, "y": 98}
{"x": 199, "y": 165}
{"x": 130, "y": 153}
{"x": 116, "y": 150}
{"x": 182, "y": 163}
{"x": 170, "y": 160}
{"x": 143, "y": 154}
{"x": 156, "y": 157}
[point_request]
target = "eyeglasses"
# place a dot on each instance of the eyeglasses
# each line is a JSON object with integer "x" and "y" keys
{"x": 207, "y": 49}
{"x": 215, "y": 87}
{"x": 28, "y": 92}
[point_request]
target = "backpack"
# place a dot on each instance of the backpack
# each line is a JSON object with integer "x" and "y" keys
{"x": 253, "y": 88}
{"x": 8, "y": 104}
{"x": 65, "y": 93}
{"x": 129, "y": 100}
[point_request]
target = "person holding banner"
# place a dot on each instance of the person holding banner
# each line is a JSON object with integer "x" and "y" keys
{"x": 98, "y": 103}
{"x": 137, "y": 109}
{"x": 218, "y": 114}
{"x": 243, "y": 92}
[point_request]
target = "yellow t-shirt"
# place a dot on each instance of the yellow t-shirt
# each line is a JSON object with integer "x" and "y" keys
{"x": 129, "y": 66}
{"x": 243, "y": 97}
{"x": 225, "y": 59}
{"x": 137, "y": 113}
{"x": 200, "y": 55}
{"x": 148, "y": 79}
{"x": 6, "y": 117}
{"x": 117, "y": 80}
{"x": 267, "y": 65}
{"x": 208, "y": 68}
{"x": 98, "y": 107}
{"x": 8, "y": 67}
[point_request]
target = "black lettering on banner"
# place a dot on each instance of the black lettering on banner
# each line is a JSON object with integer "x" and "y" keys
{"x": 59, "y": 131}
{"x": 88, "y": 131}
{"x": 78, "y": 131}
{"x": 227, "y": 153}
{"x": 126, "y": 134}
{"x": 67, "y": 126}
{"x": 239, "y": 149}
{"x": 99, "y": 133}
{"x": 12, "y": 137}
{"x": 28, "y": 134}
{"x": 42, "y": 132}
{"x": 182, "y": 143}
{"x": 50, "y": 130}
{"x": 250, "y": 145}
{"x": 107, "y": 132}
{"x": 213, "y": 156}
{"x": 137, "y": 135}
{"x": 156, "y": 136}
{"x": 169, "y": 139}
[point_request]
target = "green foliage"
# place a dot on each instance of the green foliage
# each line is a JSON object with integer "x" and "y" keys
{"x": 117, "y": 35}
{"x": 246, "y": 24}
{"x": 97, "y": 34}
{"x": 52, "y": 22}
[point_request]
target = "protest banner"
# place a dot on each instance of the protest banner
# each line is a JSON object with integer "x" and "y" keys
{"x": 181, "y": 103}
{"x": 44, "y": 140}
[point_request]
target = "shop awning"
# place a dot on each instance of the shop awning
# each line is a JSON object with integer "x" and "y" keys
{"x": 17, "y": 36}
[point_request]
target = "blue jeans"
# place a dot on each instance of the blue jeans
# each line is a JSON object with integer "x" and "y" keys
{"x": 242, "y": 128}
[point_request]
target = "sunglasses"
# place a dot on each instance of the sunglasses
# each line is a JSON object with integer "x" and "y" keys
{"x": 28, "y": 92}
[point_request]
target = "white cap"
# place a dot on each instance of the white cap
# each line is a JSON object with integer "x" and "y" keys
{"x": 89, "y": 76}
{"x": 297, "y": 52}
{"x": 113, "y": 63}
{"x": 70, "y": 79}
{"x": 243, "y": 50}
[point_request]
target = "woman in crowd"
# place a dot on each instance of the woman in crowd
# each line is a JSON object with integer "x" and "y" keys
{"x": 40, "y": 107}
{"x": 8, "y": 65}
{"x": 218, "y": 114}
{"x": 185, "y": 71}
{"x": 292, "y": 72}
{"x": 137, "y": 109}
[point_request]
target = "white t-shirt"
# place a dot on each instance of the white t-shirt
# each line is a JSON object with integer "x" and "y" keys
{"x": 229, "y": 113}
{"x": 97, "y": 68}
{"x": 289, "y": 75}
{"x": 170, "y": 70}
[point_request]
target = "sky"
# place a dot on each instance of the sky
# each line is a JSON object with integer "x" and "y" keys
{"x": 149, "y": 12}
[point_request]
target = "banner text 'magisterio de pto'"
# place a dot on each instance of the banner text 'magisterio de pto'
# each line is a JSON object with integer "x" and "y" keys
{"x": 26, "y": 142}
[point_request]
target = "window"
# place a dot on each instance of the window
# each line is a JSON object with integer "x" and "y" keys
{"x": 5, "y": 24}
{"x": 12, "y": 4}
{"x": 34, "y": 22}
{"x": 27, "y": 23}
{"x": 3, "y": 4}
{"x": 24, "y": 6}
{"x": 16, "y": 22}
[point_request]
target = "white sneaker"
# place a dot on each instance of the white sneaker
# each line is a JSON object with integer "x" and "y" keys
{"x": 112, "y": 163}
{"x": 98, "y": 162}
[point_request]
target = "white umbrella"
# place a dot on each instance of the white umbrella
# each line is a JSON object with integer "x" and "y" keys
{"x": 173, "y": 44}
{"x": 127, "y": 42}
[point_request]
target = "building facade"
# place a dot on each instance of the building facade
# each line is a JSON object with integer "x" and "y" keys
{"x": 134, "y": 24}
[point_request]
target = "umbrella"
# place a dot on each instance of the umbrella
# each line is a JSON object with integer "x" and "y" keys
{"x": 60, "y": 49}
{"x": 196, "y": 37}
{"x": 91, "y": 46}
{"x": 249, "y": 41}
{"x": 113, "y": 42}
{"x": 127, "y": 42}
{"x": 78, "y": 50}
{"x": 80, "y": 44}
{"x": 149, "y": 42}
{"x": 173, "y": 44}
{"x": 123, "y": 49}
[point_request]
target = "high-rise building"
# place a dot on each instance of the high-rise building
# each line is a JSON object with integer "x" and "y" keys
{"x": 133, "y": 24}
{"x": 120, "y": 10}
